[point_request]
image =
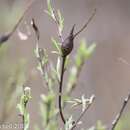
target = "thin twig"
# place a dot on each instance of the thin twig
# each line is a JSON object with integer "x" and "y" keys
{"x": 117, "y": 118}
{"x": 89, "y": 20}
{"x": 60, "y": 90}
{"x": 23, "y": 115}
{"x": 62, "y": 70}
{"x": 40, "y": 50}
{"x": 83, "y": 113}
{"x": 36, "y": 30}
{"x": 8, "y": 35}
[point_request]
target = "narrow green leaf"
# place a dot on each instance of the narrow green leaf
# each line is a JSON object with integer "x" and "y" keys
{"x": 56, "y": 45}
{"x": 58, "y": 67}
{"x": 47, "y": 12}
{"x": 61, "y": 21}
{"x": 36, "y": 51}
{"x": 83, "y": 103}
{"x": 69, "y": 123}
{"x": 55, "y": 52}
{"x": 50, "y": 10}
{"x": 90, "y": 49}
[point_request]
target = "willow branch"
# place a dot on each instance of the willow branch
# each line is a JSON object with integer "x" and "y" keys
{"x": 117, "y": 118}
{"x": 86, "y": 24}
{"x": 62, "y": 70}
{"x": 40, "y": 50}
{"x": 83, "y": 113}
{"x": 5, "y": 37}
{"x": 58, "y": 24}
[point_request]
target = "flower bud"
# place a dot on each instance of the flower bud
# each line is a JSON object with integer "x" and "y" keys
{"x": 67, "y": 45}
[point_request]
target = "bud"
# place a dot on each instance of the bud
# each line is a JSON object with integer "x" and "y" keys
{"x": 27, "y": 92}
{"x": 67, "y": 45}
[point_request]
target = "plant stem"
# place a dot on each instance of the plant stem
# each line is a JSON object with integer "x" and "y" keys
{"x": 60, "y": 89}
{"x": 86, "y": 24}
{"x": 25, "y": 104}
{"x": 24, "y": 111}
{"x": 83, "y": 113}
{"x": 23, "y": 116}
{"x": 5, "y": 37}
{"x": 23, "y": 120}
{"x": 116, "y": 120}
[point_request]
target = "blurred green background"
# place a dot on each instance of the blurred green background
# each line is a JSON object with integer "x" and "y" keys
{"x": 104, "y": 74}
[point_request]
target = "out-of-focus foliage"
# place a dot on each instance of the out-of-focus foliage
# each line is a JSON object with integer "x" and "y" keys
{"x": 83, "y": 54}
{"x": 48, "y": 109}
{"x": 99, "y": 126}
{"x": 51, "y": 75}
{"x": 124, "y": 123}
{"x": 12, "y": 79}
{"x": 25, "y": 97}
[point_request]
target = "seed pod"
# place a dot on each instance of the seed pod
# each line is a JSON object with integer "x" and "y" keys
{"x": 67, "y": 45}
